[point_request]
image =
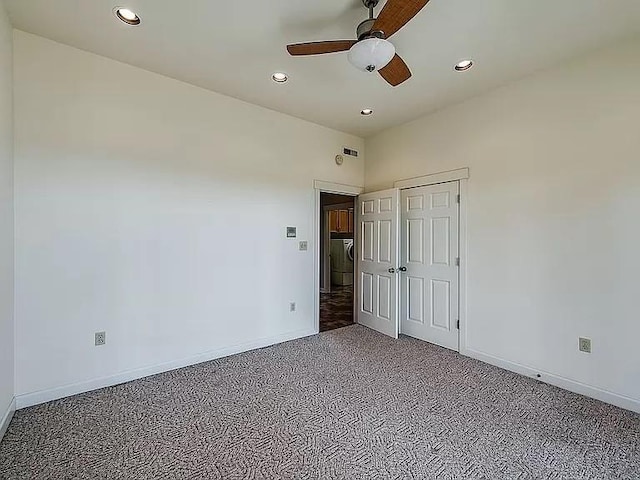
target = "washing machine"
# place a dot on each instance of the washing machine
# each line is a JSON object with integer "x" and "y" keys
{"x": 342, "y": 261}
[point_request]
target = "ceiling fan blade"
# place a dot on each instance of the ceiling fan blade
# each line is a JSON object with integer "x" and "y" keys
{"x": 396, "y": 71}
{"x": 396, "y": 14}
{"x": 317, "y": 48}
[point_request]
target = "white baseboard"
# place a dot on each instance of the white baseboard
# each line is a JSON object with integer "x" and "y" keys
{"x": 6, "y": 418}
{"x": 35, "y": 398}
{"x": 621, "y": 401}
{"x": 42, "y": 396}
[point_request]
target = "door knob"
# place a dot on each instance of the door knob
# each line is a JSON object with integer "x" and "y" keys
{"x": 402, "y": 269}
{"x": 392, "y": 270}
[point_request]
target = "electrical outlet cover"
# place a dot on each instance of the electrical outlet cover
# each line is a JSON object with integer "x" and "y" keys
{"x": 585, "y": 345}
{"x": 100, "y": 338}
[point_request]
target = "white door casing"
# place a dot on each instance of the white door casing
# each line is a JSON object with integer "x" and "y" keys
{"x": 378, "y": 220}
{"x": 326, "y": 187}
{"x": 430, "y": 285}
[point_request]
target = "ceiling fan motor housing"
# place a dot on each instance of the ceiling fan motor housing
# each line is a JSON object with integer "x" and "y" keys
{"x": 372, "y": 52}
{"x": 364, "y": 29}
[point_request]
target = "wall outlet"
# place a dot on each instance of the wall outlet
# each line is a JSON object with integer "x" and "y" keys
{"x": 292, "y": 307}
{"x": 100, "y": 338}
{"x": 303, "y": 246}
{"x": 584, "y": 344}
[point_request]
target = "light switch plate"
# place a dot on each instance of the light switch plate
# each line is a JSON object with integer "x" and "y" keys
{"x": 303, "y": 246}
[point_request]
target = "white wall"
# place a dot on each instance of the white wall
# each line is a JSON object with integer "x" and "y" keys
{"x": 553, "y": 216}
{"x": 156, "y": 211}
{"x": 6, "y": 216}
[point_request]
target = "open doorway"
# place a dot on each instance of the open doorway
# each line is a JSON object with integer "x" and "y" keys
{"x": 337, "y": 252}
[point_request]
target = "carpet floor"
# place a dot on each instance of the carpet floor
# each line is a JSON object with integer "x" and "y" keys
{"x": 345, "y": 404}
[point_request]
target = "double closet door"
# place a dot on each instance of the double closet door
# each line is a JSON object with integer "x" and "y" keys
{"x": 408, "y": 262}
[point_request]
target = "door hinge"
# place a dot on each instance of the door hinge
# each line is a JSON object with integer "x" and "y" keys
{"x": 457, "y": 261}
{"x": 458, "y": 198}
{"x": 458, "y": 324}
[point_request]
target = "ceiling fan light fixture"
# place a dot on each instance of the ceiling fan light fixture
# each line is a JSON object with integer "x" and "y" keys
{"x": 371, "y": 54}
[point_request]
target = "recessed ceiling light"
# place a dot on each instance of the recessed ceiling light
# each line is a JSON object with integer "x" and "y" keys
{"x": 463, "y": 65}
{"x": 366, "y": 111}
{"x": 127, "y": 16}
{"x": 279, "y": 77}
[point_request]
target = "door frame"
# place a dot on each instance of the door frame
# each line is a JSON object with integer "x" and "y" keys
{"x": 340, "y": 189}
{"x": 460, "y": 175}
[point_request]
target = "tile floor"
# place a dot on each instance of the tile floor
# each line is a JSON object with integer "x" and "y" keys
{"x": 336, "y": 308}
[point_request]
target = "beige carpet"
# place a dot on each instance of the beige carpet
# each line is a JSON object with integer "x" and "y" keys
{"x": 345, "y": 404}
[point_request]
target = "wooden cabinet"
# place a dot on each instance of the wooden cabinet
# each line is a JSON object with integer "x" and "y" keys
{"x": 341, "y": 221}
{"x": 333, "y": 220}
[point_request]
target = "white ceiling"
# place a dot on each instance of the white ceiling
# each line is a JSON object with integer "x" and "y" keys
{"x": 232, "y": 47}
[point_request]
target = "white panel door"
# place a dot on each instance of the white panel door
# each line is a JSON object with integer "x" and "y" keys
{"x": 429, "y": 252}
{"x": 378, "y": 220}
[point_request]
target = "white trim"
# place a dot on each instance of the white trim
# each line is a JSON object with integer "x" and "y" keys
{"x": 339, "y": 188}
{"x": 327, "y": 187}
{"x": 356, "y": 252}
{"x": 433, "y": 178}
{"x": 463, "y": 251}
{"x": 317, "y": 233}
{"x": 621, "y": 401}
{"x": 6, "y": 418}
{"x": 42, "y": 396}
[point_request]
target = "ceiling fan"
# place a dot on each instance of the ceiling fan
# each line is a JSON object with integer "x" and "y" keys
{"x": 372, "y": 51}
